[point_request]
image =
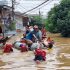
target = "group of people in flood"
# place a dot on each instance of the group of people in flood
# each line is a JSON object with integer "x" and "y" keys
{"x": 34, "y": 35}
{"x": 33, "y": 39}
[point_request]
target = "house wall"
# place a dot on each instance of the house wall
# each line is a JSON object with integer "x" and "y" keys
{"x": 25, "y": 20}
{"x": 3, "y": 17}
{"x": 19, "y": 22}
{"x": 17, "y": 17}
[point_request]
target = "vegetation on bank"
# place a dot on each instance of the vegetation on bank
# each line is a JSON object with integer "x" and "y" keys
{"x": 58, "y": 20}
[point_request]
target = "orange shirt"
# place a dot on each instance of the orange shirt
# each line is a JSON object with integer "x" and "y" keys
{"x": 43, "y": 32}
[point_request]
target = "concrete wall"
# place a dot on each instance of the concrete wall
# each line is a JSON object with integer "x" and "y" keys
{"x": 19, "y": 22}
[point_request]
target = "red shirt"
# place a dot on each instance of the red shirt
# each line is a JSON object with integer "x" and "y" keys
{"x": 7, "y": 48}
{"x": 43, "y": 53}
{"x": 38, "y": 52}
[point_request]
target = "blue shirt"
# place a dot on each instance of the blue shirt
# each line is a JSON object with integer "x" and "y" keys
{"x": 29, "y": 36}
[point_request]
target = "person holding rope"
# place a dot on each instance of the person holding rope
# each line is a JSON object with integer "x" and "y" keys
{"x": 37, "y": 33}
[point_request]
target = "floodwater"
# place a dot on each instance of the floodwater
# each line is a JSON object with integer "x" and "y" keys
{"x": 56, "y": 59}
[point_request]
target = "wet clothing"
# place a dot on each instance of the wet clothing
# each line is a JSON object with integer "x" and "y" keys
{"x": 43, "y": 32}
{"x": 50, "y": 45}
{"x": 27, "y": 31}
{"x": 8, "y": 48}
{"x": 44, "y": 55}
{"x": 23, "y": 49}
{"x": 40, "y": 55}
{"x": 38, "y": 34}
{"x": 29, "y": 36}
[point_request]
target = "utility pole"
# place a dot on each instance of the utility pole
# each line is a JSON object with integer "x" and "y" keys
{"x": 13, "y": 3}
{"x": 39, "y": 16}
{"x": 39, "y": 13}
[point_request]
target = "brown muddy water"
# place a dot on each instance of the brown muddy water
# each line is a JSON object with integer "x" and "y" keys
{"x": 56, "y": 59}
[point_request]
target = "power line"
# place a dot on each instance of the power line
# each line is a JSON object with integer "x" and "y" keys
{"x": 36, "y": 7}
{"x": 20, "y": 7}
{"x": 23, "y": 3}
{"x": 47, "y": 3}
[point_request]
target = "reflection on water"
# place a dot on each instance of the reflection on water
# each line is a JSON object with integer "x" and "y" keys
{"x": 64, "y": 52}
{"x": 56, "y": 59}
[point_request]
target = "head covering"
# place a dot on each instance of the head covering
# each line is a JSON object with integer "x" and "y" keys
{"x": 35, "y": 26}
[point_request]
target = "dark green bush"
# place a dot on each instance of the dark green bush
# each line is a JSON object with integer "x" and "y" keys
{"x": 59, "y": 19}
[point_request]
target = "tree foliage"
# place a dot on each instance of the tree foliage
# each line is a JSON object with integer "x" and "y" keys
{"x": 36, "y": 20}
{"x": 59, "y": 18}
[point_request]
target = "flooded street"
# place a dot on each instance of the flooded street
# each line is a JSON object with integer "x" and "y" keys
{"x": 56, "y": 59}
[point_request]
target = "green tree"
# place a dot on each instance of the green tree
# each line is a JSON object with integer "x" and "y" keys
{"x": 36, "y": 20}
{"x": 59, "y": 18}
